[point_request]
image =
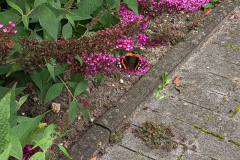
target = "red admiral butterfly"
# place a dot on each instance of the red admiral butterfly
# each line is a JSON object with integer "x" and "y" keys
{"x": 131, "y": 61}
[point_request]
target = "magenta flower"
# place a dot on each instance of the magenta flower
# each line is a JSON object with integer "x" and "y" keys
{"x": 27, "y": 152}
{"x": 142, "y": 39}
{"x": 1, "y": 25}
{"x": 125, "y": 43}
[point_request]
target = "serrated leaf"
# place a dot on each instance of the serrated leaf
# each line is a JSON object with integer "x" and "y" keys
{"x": 25, "y": 129}
{"x": 38, "y": 3}
{"x": 16, "y": 151}
{"x": 48, "y": 21}
{"x": 67, "y": 31}
{"x": 5, "y": 154}
{"x": 51, "y": 71}
{"x": 25, "y": 20}
{"x": 64, "y": 150}
{"x": 81, "y": 87}
{"x": 5, "y": 115}
{"x": 13, "y": 5}
{"x": 75, "y": 77}
{"x": 7, "y": 16}
{"x": 87, "y": 7}
{"x": 23, "y": 99}
{"x": 73, "y": 111}
{"x": 38, "y": 156}
{"x": 27, "y": 7}
{"x": 54, "y": 91}
{"x": 132, "y": 4}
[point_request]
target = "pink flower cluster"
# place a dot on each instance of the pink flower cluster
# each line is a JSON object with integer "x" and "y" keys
{"x": 130, "y": 16}
{"x": 9, "y": 28}
{"x": 143, "y": 70}
{"x": 174, "y": 5}
{"x": 27, "y": 152}
{"x": 99, "y": 62}
{"x": 125, "y": 43}
{"x": 142, "y": 39}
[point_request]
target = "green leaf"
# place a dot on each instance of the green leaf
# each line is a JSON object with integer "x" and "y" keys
{"x": 38, "y": 3}
{"x": 13, "y": 107}
{"x": 38, "y": 156}
{"x": 5, "y": 154}
{"x": 13, "y": 5}
{"x": 70, "y": 19}
{"x": 25, "y": 129}
{"x": 51, "y": 71}
{"x": 75, "y": 77}
{"x": 84, "y": 111}
{"x": 4, "y": 114}
{"x": 23, "y": 99}
{"x": 14, "y": 69}
{"x": 157, "y": 94}
{"x": 81, "y": 87}
{"x": 209, "y": 5}
{"x": 37, "y": 80}
{"x": 161, "y": 97}
{"x": 99, "y": 79}
{"x": 25, "y": 20}
{"x": 79, "y": 59}
{"x": 67, "y": 30}
{"x": 48, "y": 21}
{"x": 64, "y": 150}
{"x": 16, "y": 151}
{"x": 112, "y": 3}
{"x": 7, "y": 16}
{"x": 167, "y": 82}
{"x": 78, "y": 15}
{"x": 132, "y": 4}
{"x": 27, "y": 7}
{"x": 54, "y": 91}
{"x": 73, "y": 111}
{"x": 87, "y": 7}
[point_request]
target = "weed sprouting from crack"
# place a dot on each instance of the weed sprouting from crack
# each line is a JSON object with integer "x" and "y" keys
{"x": 155, "y": 135}
{"x": 116, "y": 137}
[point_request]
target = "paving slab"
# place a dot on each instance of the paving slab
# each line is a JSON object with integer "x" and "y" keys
{"x": 196, "y": 95}
{"x": 179, "y": 109}
{"x": 191, "y": 155}
{"x": 228, "y": 107}
{"x": 185, "y": 132}
{"x": 136, "y": 144}
{"x": 212, "y": 146}
{"x": 120, "y": 153}
{"x": 224, "y": 126}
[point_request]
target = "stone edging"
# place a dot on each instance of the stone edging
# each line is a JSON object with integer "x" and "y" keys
{"x": 97, "y": 137}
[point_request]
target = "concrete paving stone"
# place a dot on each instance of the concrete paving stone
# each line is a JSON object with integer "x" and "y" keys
{"x": 220, "y": 149}
{"x": 135, "y": 143}
{"x": 224, "y": 53}
{"x": 185, "y": 132}
{"x": 228, "y": 107}
{"x": 235, "y": 94}
{"x": 191, "y": 155}
{"x": 224, "y": 126}
{"x": 205, "y": 80}
{"x": 205, "y": 62}
{"x": 120, "y": 153}
{"x": 181, "y": 110}
{"x": 196, "y": 95}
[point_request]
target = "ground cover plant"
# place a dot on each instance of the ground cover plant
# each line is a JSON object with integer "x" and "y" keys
{"x": 51, "y": 48}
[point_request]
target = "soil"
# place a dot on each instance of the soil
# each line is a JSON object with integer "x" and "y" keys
{"x": 114, "y": 85}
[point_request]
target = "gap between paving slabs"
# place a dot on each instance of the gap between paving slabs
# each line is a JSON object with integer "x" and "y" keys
{"x": 97, "y": 136}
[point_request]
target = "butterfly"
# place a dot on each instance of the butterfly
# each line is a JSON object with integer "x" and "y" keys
{"x": 131, "y": 62}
